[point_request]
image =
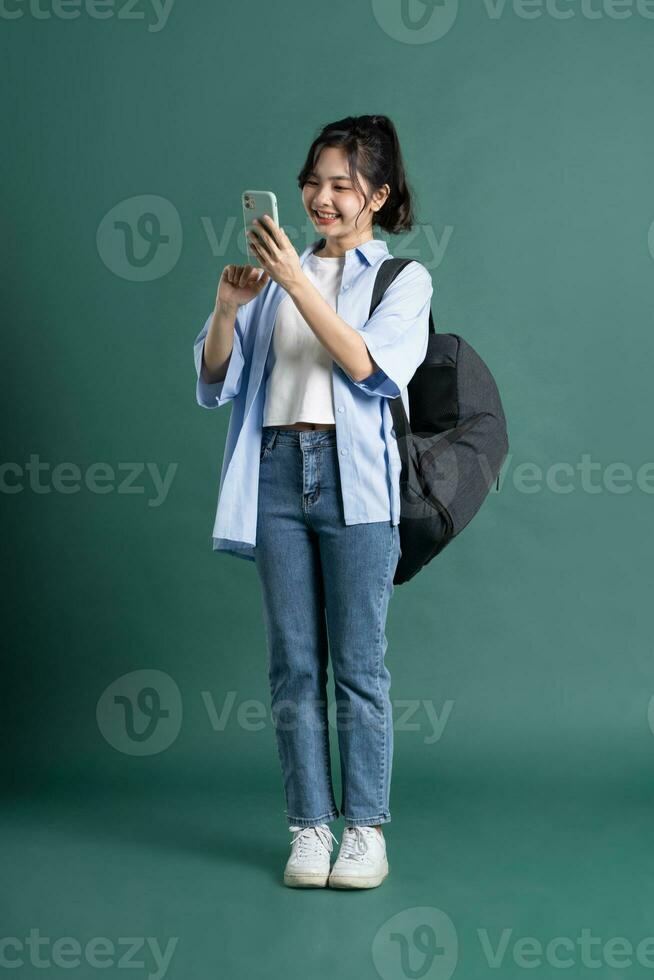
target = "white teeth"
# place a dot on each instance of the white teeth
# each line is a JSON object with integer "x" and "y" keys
{"x": 325, "y": 214}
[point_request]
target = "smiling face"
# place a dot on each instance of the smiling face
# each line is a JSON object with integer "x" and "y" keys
{"x": 332, "y": 203}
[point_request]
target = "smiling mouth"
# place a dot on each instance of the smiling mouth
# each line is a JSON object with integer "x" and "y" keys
{"x": 325, "y": 215}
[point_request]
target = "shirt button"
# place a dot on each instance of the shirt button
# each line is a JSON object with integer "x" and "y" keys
{"x": 346, "y": 287}
{"x": 340, "y": 408}
{"x": 343, "y": 452}
{"x": 393, "y": 432}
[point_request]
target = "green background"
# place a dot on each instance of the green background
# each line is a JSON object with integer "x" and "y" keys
{"x": 528, "y": 142}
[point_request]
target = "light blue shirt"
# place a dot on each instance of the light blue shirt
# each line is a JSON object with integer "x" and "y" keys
{"x": 369, "y": 461}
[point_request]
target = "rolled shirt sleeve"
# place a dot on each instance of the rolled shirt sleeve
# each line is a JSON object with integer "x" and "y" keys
{"x": 397, "y": 333}
{"x": 217, "y": 393}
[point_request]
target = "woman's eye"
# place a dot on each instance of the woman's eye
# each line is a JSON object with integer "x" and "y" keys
{"x": 314, "y": 182}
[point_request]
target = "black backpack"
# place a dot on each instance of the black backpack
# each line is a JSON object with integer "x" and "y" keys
{"x": 454, "y": 447}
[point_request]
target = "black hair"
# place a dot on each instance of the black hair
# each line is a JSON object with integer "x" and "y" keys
{"x": 373, "y": 149}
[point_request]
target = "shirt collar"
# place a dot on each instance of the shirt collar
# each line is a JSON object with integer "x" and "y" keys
{"x": 369, "y": 251}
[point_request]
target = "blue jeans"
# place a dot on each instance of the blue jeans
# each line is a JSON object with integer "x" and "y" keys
{"x": 325, "y": 587}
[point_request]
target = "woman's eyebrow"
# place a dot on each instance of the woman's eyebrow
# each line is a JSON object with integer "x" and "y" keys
{"x": 337, "y": 177}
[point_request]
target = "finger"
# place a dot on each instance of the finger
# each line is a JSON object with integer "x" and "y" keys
{"x": 250, "y": 271}
{"x": 259, "y": 250}
{"x": 266, "y": 233}
{"x": 270, "y": 222}
{"x": 256, "y": 237}
{"x": 246, "y": 272}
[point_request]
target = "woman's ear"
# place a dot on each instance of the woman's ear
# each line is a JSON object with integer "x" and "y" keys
{"x": 379, "y": 197}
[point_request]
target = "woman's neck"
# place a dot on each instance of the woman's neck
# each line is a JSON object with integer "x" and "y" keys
{"x": 334, "y": 250}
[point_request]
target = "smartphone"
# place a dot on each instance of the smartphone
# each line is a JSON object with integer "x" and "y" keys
{"x": 255, "y": 205}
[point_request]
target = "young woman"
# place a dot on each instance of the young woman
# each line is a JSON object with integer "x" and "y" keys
{"x": 309, "y": 488}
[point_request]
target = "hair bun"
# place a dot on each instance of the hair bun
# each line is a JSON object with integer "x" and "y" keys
{"x": 382, "y": 122}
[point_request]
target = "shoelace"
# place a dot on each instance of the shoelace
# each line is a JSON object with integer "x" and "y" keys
{"x": 311, "y": 840}
{"x": 355, "y": 842}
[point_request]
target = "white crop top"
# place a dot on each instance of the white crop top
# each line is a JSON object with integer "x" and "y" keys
{"x": 299, "y": 387}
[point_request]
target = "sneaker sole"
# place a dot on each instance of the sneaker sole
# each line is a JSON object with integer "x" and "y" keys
{"x": 306, "y": 881}
{"x": 353, "y": 881}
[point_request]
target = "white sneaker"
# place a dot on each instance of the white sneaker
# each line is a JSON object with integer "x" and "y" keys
{"x": 308, "y": 865}
{"x": 361, "y": 862}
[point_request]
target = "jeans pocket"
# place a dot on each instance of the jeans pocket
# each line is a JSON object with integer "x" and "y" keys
{"x": 267, "y": 443}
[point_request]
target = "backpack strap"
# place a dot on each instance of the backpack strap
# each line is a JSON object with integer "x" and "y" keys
{"x": 386, "y": 273}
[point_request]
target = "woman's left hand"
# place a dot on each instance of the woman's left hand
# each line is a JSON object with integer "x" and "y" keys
{"x": 275, "y": 252}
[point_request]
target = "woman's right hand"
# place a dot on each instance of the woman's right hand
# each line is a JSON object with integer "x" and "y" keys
{"x": 239, "y": 284}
